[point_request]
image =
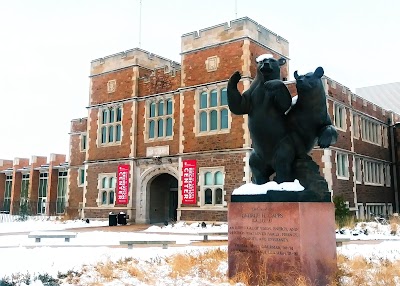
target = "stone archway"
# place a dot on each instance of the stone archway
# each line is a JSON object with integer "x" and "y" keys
{"x": 162, "y": 192}
{"x": 144, "y": 213}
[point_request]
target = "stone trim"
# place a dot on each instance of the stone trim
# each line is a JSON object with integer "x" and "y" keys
{"x": 142, "y": 201}
{"x": 327, "y": 168}
{"x": 181, "y": 120}
{"x": 232, "y": 41}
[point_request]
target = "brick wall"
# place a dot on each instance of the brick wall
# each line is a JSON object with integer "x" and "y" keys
{"x": 76, "y": 156}
{"x": 4, "y": 165}
{"x": 52, "y": 190}
{"x": 256, "y": 50}
{"x": 99, "y": 93}
{"x": 194, "y": 64}
{"x": 159, "y": 81}
{"x": 343, "y": 187}
{"x": 374, "y": 194}
{"x": 16, "y": 184}
{"x": 233, "y": 178}
{"x": 75, "y": 193}
{"x": 93, "y": 171}
{"x": 192, "y": 143}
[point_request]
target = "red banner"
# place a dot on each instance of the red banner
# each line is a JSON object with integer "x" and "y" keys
{"x": 189, "y": 181}
{"x": 122, "y": 184}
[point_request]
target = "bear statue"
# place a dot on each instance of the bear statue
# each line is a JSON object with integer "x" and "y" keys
{"x": 307, "y": 123}
{"x": 265, "y": 102}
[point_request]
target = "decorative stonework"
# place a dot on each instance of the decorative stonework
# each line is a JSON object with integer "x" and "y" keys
{"x": 111, "y": 85}
{"x": 212, "y": 63}
{"x": 143, "y": 201}
{"x": 246, "y": 58}
{"x": 157, "y": 151}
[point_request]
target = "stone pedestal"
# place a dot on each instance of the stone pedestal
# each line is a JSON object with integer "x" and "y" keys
{"x": 280, "y": 241}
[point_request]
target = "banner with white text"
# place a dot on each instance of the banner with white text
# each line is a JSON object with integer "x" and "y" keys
{"x": 189, "y": 181}
{"x": 122, "y": 184}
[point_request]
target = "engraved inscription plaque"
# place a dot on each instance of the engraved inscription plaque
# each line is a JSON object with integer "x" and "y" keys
{"x": 281, "y": 238}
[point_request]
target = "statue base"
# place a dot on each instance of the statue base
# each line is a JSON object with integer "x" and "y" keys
{"x": 281, "y": 241}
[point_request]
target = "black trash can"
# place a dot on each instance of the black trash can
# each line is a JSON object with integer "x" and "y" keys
{"x": 122, "y": 218}
{"x": 112, "y": 219}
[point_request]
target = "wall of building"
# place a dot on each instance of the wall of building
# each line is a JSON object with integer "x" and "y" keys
{"x": 135, "y": 79}
{"x": 32, "y": 167}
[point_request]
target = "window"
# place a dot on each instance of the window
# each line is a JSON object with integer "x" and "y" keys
{"x": 213, "y": 111}
{"x": 375, "y": 209}
{"x": 371, "y": 131}
{"x": 24, "y": 188}
{"x": 160, "y": 119}
{"x": 42, "y": 193}
{"x": 83, "y": 142}
{"x": 212, "y": 187}
{"x": 340, "y": 117}
{"x": 385, "y": 136}
{"x": 110, "y": 125}
{"x": 356, "y": 129}
{"x": 357, "y": 170}
{"x": 373, "y": 173}
{"x": 342, "y": 166}
{"x": 81, "y": 176}
{"x": 387, "y": 175}
{"x": 107, "y": 189}
{"x": 61, "y": 191}
{"x": 7, "y": 193}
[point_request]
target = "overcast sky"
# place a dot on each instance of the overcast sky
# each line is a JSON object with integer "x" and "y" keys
{"x": 46, "y": 47}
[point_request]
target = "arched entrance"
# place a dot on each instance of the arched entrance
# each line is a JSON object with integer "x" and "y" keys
{"x": 163, "y": 194}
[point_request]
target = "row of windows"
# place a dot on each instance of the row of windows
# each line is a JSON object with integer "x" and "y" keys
{"x": 367, "y": 171}
{"x": 371, "y": 131}
{"x": 212, "y": 115}
{"x": 42, "y": 192}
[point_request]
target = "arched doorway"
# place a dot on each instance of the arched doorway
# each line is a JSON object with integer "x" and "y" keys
{"x": 163, "y": 192}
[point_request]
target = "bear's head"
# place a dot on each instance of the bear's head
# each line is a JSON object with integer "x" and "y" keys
{"x": 310, "y": 80}
{"x": 268, "y": 67}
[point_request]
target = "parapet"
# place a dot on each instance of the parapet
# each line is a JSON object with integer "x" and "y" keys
{"x": 21, "y": 162}
{"x": 235, "y": 29}
{"x": 78, "y": 125}
{"x": 57, "y": 159}
{"x": 5, "y": 164}
{"x": 128, "y": 58}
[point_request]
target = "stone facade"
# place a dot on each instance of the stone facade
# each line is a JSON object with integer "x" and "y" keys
{"x": 152, "y": 113}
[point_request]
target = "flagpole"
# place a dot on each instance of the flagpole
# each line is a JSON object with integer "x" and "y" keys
{"x": 140, "y": 23}
{"x": 235, "y": 9}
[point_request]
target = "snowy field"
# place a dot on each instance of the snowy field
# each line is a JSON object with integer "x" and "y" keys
{"x": 22, "y": 256}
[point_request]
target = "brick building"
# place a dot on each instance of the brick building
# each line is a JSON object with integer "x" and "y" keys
{"x": 39, "y": 184}
{"x": 152, "y": 116}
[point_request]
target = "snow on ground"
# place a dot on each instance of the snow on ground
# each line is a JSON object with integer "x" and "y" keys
{"x": 182, "y": 227}
{"x": 20, "y": 254}
{"x": 47, "y": 224}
